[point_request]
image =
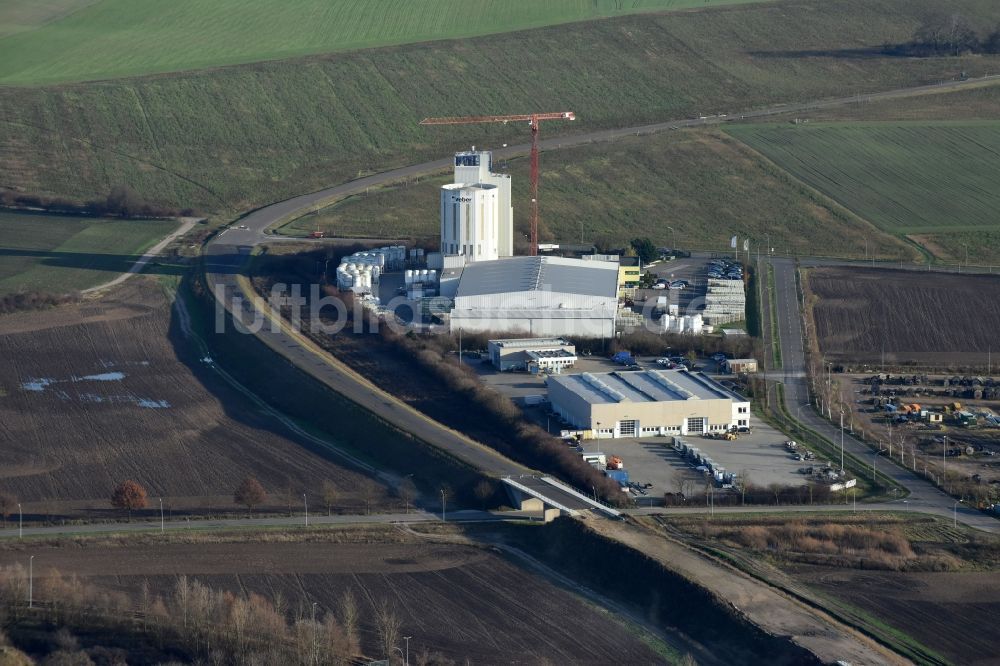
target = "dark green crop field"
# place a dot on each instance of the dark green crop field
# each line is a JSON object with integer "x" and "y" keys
{"x": 233, "y": 138}
{"x": 697, "y": 188}
{"x": 915, "y": 179}
{"x": 54, "y": 253}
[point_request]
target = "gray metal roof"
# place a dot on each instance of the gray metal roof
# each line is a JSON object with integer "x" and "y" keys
{"x": 555, "y": 274}
{"x": 648, "y": 386}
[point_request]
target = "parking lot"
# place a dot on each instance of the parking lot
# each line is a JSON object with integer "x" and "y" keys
{"x": 760, "y": 455}
{"x": 691, "y": 299}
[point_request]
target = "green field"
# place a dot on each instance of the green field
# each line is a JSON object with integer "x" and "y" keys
{"x": 704, "y": 184}
{"x": 57, "y": 254}
{"x": 908, "y": 179}
{"x": 22, "y": 15}
{"x": 113, "y": 38}
{"x": 230, "y": 139}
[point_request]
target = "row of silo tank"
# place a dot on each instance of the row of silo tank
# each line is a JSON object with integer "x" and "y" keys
{"x": 360, "y": 271}
{"x": 360, "y": 278}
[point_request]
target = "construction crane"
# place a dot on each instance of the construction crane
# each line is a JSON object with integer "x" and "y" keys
{"x": 531, "y": 118}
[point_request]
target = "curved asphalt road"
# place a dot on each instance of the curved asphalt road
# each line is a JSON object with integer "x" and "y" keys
{"x": 227, "y": 253}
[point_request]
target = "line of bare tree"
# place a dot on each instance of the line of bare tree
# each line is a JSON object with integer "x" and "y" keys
{"x": 949, "y": 35}
{"x": 213, "y": 625}
{"x": 121, "y": 201}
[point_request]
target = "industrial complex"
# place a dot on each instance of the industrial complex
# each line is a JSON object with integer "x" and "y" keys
{"x": 473, "y": 283}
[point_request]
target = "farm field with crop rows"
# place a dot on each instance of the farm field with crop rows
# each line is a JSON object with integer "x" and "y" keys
{"x": 715, "y": 187}
{"x": 57, "y": 254}
{"x": 935, "y": 319}
{"x": 229, "y": 139}
{"x": 461, "y": 601}
{"x": 139, "y": 37}
{"x": 906, "y": 178}
{"x": 94, "y": 393}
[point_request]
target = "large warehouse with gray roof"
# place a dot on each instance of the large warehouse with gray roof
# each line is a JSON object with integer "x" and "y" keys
{"x": 643, "y": 404}
{"x": 540, "y": 296}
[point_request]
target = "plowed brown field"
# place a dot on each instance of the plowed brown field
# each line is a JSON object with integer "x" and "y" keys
{"x": 927, "y": 319}
{"x": 951, "y": 613}
{"x": 462, "y": 601}
{"x": 97, "y": 393}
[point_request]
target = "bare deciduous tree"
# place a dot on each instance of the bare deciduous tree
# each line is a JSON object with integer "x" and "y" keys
{"x": 407, "y": 491}
{"x": 250, "y": 493}
{"x": 388, "y": 623}
{"x": 330, "y": 496}
{"x": 349, "y": 618}
{"x": 7, "y": 504}
{"x": 484, "y": 491}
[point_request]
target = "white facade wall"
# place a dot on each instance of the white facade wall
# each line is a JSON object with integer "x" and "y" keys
{"x": 584, "y": 324}
{"x": 469, "y": 219}
{"x": 477, "y": 167}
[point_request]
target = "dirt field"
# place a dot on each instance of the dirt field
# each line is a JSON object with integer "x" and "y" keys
{"x": 951, "y": 613}
{"x": 462, "y": 601}
{"x": 95, "y": 393}
{"x": 865, "y": 316}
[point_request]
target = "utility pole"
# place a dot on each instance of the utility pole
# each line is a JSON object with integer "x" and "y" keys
{"x": 841, "y": 440}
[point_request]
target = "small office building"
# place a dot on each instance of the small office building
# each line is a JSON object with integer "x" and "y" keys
{"x": 543, "y": 354}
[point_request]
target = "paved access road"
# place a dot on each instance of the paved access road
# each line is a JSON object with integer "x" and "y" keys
{"x": 315, "y": 520}
{"x": 924, "y": 496}
{"x": 227, "y": 253}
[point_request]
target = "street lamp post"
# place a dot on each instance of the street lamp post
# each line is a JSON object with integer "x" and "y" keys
{"x": 954, "y": 513}
{"x": 31, "y": 581}
{"x": 874, "y": 458}
{"x": 161, "y": 516}
{"x": 305, "y": 503}
{"x": 407, "y": 659}
{"x": 399, "y": 650}
{"x": 20, "y": 521}
{"x": 444, "y": 518}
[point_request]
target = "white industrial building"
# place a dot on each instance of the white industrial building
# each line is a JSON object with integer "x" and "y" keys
{"x": 643, "y": 404}
{"x": 545, "y": 354}
{"x": 538, "y": 296}
{"x": 477, "y": 219}
{"x": 469, "y": 221}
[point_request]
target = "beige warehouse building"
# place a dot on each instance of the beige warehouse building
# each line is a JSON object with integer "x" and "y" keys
{"x": 644, "y": 404}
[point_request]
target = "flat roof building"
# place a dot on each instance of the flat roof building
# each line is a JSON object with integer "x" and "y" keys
{"x": 549, "y": 296}
{"x": 547, "y": 354}
{"x": 643, "y": 404}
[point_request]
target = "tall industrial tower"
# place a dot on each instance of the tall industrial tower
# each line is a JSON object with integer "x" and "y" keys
{"x": 477, "y": 219}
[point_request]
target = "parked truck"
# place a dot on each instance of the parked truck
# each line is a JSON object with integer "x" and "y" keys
{"x": 619, "y": 475}
{"x": 623, "y": 358}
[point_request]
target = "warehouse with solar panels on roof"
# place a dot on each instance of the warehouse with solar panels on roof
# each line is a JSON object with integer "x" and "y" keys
{"x": 648, "y": 403}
